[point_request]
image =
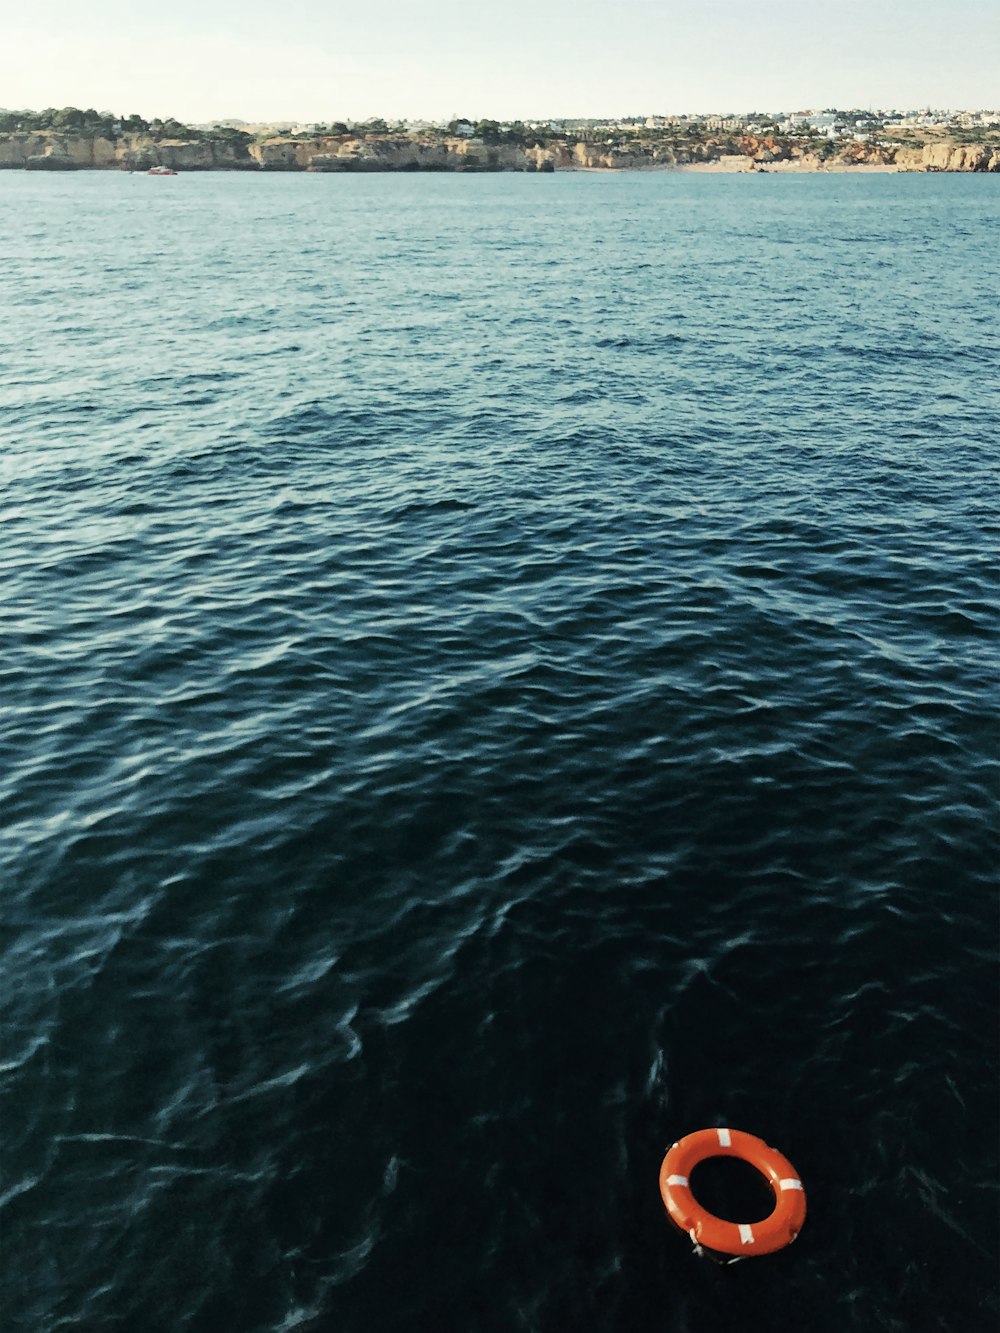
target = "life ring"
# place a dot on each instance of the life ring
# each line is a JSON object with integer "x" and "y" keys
{"x": 740, "y": 1239}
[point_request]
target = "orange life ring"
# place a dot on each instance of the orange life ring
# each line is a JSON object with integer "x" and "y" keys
{"x": 776, "y": 1231}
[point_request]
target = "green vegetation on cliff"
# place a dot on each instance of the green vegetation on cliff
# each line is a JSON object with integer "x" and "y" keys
{"x": 107, "y": 125}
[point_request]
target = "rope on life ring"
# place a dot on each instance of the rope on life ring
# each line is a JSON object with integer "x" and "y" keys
{"x": 739, "y": 1239}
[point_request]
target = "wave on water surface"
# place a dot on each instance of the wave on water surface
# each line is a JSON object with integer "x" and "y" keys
{"x": 499, "y": 673}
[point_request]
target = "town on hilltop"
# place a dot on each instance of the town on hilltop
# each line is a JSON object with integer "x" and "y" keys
{"x": 833, "y": 122}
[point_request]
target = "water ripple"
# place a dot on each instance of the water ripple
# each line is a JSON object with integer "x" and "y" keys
{"x": 497, "y": 674}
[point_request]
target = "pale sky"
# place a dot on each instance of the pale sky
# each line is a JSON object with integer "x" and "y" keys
{"x": 326, "y": 59}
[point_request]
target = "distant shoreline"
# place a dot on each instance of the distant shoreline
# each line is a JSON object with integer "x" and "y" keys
{"x": 344, "y": 153}
{"x": 680, "y": 168}
{"x": 800, "y": 168}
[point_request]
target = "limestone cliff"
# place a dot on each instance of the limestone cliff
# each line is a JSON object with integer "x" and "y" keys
{"x": 346, "y": 152}
{"x": 396, "y": 153}
{"x": 67, "y": 152}
{"x": 55, "y": 151}
{"x": 949, "y": 157}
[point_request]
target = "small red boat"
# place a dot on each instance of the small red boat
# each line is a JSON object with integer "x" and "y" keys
{"x": 161, "y": 171}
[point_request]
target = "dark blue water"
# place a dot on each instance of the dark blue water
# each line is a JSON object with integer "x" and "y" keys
{"x": 497, "y": 673}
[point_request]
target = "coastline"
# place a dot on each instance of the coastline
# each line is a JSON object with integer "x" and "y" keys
{"x": 52, "y": 151}
{"x": 794, "y": 167}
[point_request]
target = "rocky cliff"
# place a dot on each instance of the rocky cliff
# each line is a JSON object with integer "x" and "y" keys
{"x": 67, "y": 152}
{"x": 61, "y": 152}
{"x": 949, "y": 157}
{"x": 394, "y": 153}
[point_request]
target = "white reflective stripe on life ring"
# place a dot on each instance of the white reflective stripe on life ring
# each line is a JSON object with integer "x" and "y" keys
{"x": 791, "y": 1184}
{"x": 746, "y": 1233}
{"x": 724, "y": 1139}
{"x": 677, "y": 1180}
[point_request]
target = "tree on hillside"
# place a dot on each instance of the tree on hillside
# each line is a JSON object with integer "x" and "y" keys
{"x": 172, "y": 129}
{"x": 69, "y": 118}
{"x": 225, "y": 134}
{"x": 518, "y": 132}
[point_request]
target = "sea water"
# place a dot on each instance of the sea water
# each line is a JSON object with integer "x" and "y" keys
{"x": 497, "y": 673}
